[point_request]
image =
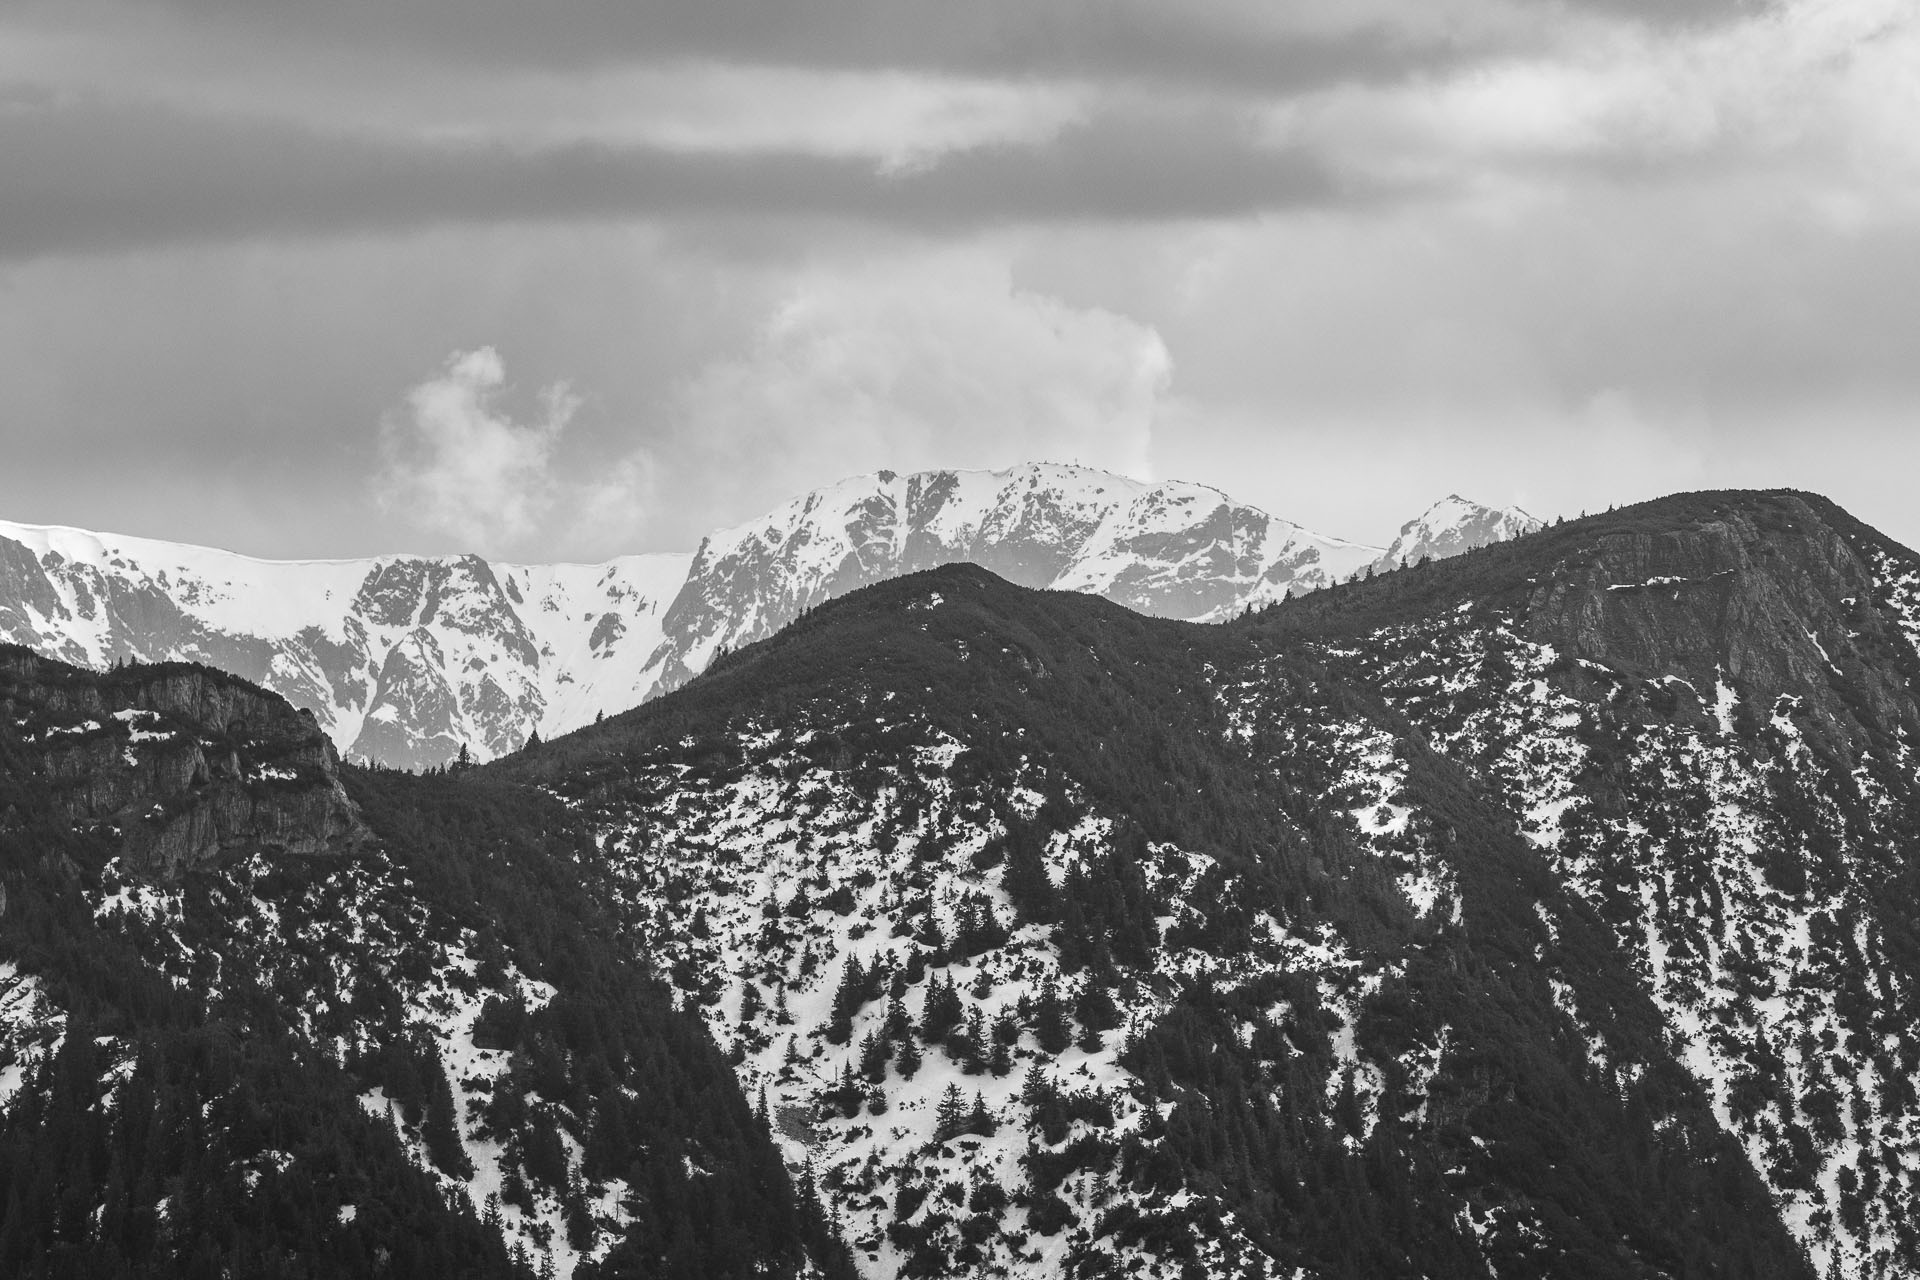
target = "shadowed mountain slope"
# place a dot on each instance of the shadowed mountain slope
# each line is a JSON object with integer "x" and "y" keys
{"x": 264, "y": 1016}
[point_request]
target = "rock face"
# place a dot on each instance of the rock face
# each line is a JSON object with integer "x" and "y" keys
{"x": 1773, "y": 599}
{"x": 406, "y": 659}
{"x": 188, "y": 766}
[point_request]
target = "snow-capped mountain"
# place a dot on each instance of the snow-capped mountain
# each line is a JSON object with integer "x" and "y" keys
{"x": 405, "y": 660}
{"x": 1173, "y": 549}
{"x": 1453, "y": 526}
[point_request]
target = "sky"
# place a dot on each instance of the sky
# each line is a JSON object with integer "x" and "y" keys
{"x": 566, "y": 281}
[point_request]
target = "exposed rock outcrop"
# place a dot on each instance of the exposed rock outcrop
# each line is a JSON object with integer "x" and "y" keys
{"x": 182, "y": 764}
{"x": 1769, "y": 597}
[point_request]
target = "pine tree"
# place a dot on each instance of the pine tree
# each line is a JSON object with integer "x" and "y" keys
{"x": 1095, "y": 1008}
{"x": 440, "y": 1130}
{"x": 848, "y": 998}
{"x": 899, "y": 1023}
{"x": 909, "y": 1060}
{"x": 1006, "y": 1034}
{"x": 1024, "y": 878}
{"x": 1050, "y": 1025}
{"x": 950, "y": 1119}
{"x": 941, "y": 1011}
{"x": 972, "y": 1043}
{"x": 979, "y": 1119}
{"x": 1090, "y": 1041}
{"x": 873, "y": 1058}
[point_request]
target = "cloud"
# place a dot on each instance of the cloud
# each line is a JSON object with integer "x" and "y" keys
{"x": 1820, "y": 91}
{"x": 455, "y": 463}
{"x": 1211, "y": 43}
{"x": 89, "y": 176}
{"x": 938, "y": 361}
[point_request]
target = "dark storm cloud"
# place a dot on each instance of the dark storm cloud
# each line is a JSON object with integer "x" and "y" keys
{"x": 87, "y": 178}
{"x": 1218, "y": 44}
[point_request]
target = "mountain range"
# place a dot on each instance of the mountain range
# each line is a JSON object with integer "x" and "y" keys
{"x": 1543, "y": 910}
{"x": 406, "y": 661}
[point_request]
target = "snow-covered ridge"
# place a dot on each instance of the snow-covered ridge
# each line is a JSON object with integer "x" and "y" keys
{"x": 1452, "y": 526}
{"x": 407, "y": 659}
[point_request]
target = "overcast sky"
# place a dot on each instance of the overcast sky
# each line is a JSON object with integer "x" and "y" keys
{"x": 575, "y": 279}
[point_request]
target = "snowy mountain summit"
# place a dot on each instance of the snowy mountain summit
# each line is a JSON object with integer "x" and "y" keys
{"x": 406, "y": 659}
{"x": 1452, "y": 526}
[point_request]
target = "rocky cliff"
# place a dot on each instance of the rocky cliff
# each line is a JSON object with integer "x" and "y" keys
{"x": 1769, "y": 597}
{"x": 182, "y": 765}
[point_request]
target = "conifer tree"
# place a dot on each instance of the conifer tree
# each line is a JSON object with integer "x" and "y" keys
{"x": 1050, "y": 1025}
{"x": 873, "y": 1058}
{"x": 941, "y": 1012}
{"x": 950, "y": 1119}
{"x": 909, "y": 1060}
{"x": 1024, "y": 878}
{"x": 971, "y": 1043}
{"x": 979, "y": 1119}
{"x": 440, "y": 1131}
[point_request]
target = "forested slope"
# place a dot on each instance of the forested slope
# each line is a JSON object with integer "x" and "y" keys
{"x": 266, "y": 1017}
{"x": 1066, "y": 941}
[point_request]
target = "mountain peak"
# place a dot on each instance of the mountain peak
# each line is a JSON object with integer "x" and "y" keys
{"x": 405, "y": 659}
{"x": 1452, "y": 526}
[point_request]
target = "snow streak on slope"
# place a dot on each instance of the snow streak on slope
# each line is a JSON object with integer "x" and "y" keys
{"x": 31, "y": 1027}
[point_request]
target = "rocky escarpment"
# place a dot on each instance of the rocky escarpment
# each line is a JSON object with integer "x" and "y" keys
{"x": 1768, "y": 597}
{"x": 182, "y": 765}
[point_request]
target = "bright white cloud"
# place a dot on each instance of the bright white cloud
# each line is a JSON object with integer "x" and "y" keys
{"x": 1824, "y": 90}
{"x": 455, "y": 463}
{"x": 932, "y": 361}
